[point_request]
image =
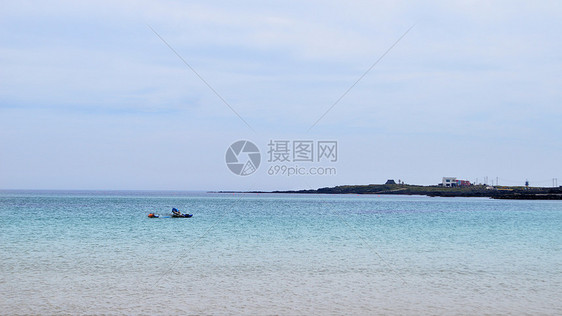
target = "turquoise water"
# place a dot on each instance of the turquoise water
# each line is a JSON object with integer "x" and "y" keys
{"x": 98, "y": 253}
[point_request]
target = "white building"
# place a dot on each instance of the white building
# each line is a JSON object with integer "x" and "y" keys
{"x": 449, "y": 182}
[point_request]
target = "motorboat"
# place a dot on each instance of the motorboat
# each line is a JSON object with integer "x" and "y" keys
{"x": 178, "y": 214}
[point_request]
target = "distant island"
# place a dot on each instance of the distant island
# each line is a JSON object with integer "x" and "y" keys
{"x": 481, "y": 190}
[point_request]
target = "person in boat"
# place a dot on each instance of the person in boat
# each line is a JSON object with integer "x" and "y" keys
{"x": 176, "y": 212}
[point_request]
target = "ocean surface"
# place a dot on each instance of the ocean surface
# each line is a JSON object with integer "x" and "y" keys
{"x": 260, "y": 254}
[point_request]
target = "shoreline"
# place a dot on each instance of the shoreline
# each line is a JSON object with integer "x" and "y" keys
{"x": 493, "y": 192}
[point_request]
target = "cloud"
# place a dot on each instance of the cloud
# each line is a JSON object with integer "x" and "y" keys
{"x": 474, "y": 73}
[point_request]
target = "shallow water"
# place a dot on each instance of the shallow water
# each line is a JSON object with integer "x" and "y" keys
{"x": 98, "y": 253}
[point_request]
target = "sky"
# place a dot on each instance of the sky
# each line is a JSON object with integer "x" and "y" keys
{"x": 92, "y": 96}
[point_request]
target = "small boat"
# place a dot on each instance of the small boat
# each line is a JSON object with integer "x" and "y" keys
{"x": 177, "y": 213}
{"x": 152, "y": 215}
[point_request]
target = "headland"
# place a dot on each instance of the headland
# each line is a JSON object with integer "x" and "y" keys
{"x": 495, "y": 192}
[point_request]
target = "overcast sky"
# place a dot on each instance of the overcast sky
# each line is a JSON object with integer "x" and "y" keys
{"x": 91, "y": 98}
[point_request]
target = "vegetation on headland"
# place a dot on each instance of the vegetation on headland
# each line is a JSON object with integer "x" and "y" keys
{"x": 496, "y": 192}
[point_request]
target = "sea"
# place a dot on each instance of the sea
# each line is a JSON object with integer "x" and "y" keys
{"x": 97, "y": 252}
